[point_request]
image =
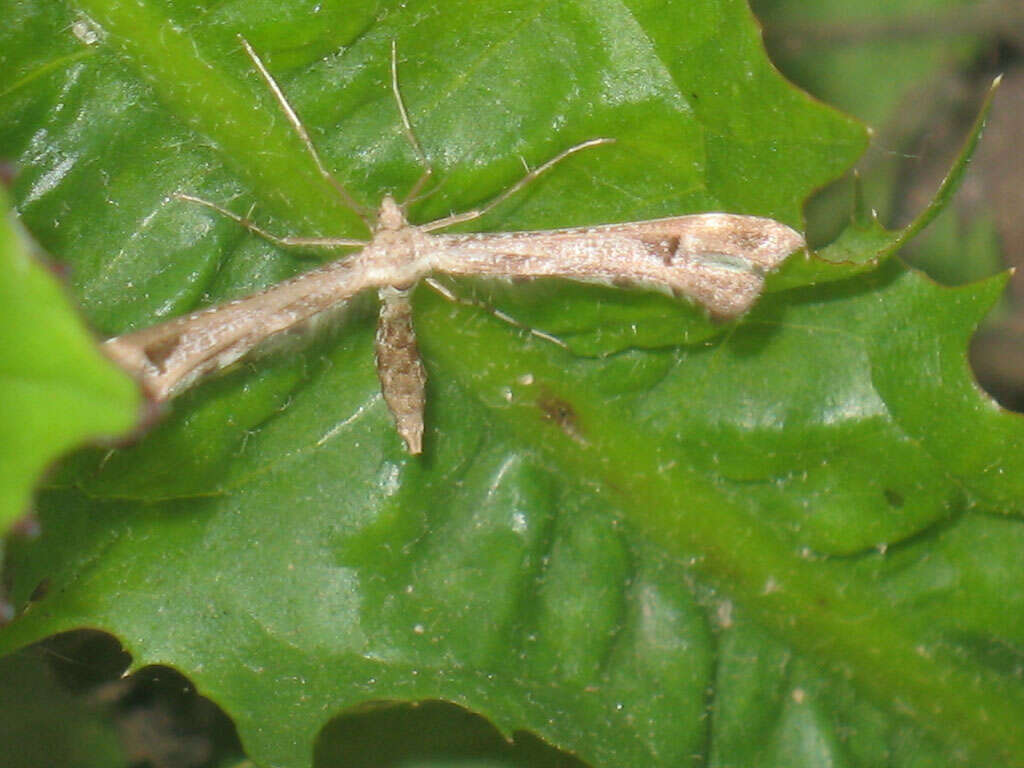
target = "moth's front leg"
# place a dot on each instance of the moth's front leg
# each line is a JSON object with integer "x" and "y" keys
{"x": 402, "y": 376}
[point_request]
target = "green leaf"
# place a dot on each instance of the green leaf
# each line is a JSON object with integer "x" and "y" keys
{"x": 811, "y": 513}
{"x": 56, "y": 388}
{"x": 865, "y": 243}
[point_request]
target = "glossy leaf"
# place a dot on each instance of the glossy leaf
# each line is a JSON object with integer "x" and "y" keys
{"x": 776, "y": 514}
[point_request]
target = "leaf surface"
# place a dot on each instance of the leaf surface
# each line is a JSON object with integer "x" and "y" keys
{"x": 779, "y": 511}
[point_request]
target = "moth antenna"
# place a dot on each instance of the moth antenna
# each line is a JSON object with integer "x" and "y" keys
{"x": 407, "y": 128}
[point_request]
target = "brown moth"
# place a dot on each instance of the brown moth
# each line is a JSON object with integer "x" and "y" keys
{"x": 716, "y": 259}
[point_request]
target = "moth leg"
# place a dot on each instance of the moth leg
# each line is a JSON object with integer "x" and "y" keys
{"x": 303, "y": 134}
{"x": 287, "y": 242}
{"x": 453, "y": 297}
{"x": 459, "y": 218}
{"x": 400, "y": 369}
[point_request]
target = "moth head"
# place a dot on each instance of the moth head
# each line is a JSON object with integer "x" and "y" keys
{"x": 390, "y": 216}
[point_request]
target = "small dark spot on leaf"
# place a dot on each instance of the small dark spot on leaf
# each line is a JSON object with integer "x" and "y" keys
{"x": 557, "y": 410}
{"x": 561, "y": 412}
{"x": 41, "y": 591}
{"x": 895, "y": 498}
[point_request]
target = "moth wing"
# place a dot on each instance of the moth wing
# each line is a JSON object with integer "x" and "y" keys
{"x": 752, "y": 242}
{"x": 716, "y": 259}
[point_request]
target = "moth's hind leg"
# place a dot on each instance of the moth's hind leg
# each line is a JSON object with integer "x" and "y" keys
{"x": 451, "y": 296}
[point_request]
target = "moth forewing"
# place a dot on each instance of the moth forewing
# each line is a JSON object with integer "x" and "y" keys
{"x": 716, "y": 259}
{"x": 169, "y": 357}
